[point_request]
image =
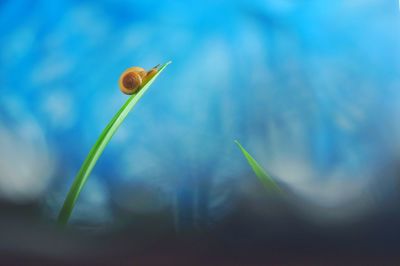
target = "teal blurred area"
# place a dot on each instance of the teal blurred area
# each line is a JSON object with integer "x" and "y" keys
{"x": 311, "y": 88}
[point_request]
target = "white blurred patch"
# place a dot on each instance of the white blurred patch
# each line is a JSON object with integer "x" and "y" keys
{"x": 59, "y": 108}
{"x": 51, "y": 68}
{"x": 340, "y": 193}
{"x": 93, "y": 203}
{"x": 329, "y": 191}
{"x": 334, "y": 196}
{"x": 25, "y": 161}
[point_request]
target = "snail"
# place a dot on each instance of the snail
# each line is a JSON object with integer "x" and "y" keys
{"x": 134, "y": 78}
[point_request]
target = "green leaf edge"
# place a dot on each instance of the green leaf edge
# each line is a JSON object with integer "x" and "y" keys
{"x": 98, "y": 149}
{"x": 262, "y": 175}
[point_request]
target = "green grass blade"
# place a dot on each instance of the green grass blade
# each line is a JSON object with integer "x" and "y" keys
{"x": 262, "y": 175}
{"x": 98, "y": 149}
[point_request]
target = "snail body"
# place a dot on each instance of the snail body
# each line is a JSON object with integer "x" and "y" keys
{"x": 134, "y": 78}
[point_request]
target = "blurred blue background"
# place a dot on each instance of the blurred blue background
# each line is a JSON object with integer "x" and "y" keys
{"x": 310, "y": 88}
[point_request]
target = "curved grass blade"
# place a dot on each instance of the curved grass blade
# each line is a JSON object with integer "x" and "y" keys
{"x": 98, "y": 149}
{"x": 262, "y": 175}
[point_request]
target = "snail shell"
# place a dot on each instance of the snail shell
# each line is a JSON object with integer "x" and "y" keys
{"x": 138, "y": 70}
{"x": 133, "y": 78}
